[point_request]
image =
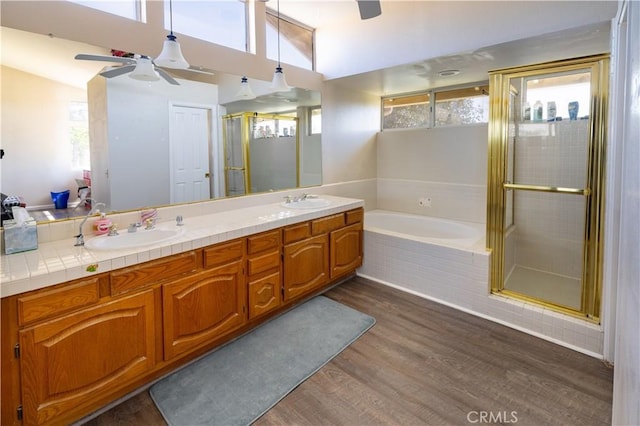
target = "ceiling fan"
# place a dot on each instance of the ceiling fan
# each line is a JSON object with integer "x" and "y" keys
{"x": 369, "y": 8}
{"x": 141, "y": 67}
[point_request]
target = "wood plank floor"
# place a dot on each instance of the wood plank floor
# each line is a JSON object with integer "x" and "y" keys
{"x": 428, "y": 364}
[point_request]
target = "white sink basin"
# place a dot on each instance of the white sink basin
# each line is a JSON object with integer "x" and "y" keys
{"x": 307, "y": 203}
{"x": 141, "y": 238}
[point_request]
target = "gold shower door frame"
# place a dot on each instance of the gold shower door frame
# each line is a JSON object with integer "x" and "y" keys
{"x": 498, "y": 183}
{"x": 245, "y": 140}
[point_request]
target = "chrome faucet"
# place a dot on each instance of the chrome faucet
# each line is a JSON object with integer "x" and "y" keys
{"x": 301, "y": 197}
{"x": 80, "y": 236}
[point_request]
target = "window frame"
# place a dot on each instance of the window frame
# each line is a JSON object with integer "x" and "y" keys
{"x": 310, "y": 118}
{"x": 247, "y": 19}
{"x": 289, "y": 20}
{"x": 433, "y": 94}
{"x": 140, "y": 7}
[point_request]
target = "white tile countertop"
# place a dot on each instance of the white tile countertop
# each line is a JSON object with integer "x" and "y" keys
{"x": 59, "y": 261}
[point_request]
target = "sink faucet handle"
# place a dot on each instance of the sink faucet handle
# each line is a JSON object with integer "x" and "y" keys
{"x": 287, "y": 199}
{"x": 179, "y": 220}
{"x": 79, "y": 240}
{"x": 113, "y": 230}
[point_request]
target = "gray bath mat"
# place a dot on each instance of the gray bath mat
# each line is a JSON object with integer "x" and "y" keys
{"x": 239, "y": 382}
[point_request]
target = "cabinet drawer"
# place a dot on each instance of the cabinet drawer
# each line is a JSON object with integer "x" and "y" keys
{"x": 138, "y": 276}
{"x": 223, "y": 253}
{"x": 264, "y": 241}
{"x": 297, "y": 232}
{"x": 54, "y": 302}
{"x": 354, "y": 216}
{"x": 327, "y": 224}
{"x": 258, "y": 264}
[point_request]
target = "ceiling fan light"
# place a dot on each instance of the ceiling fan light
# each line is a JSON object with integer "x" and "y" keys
{"x": 245, "y": 91}
{"x": 171, "y": 55}
{"x": 279, "y": 83}
{"x": 144, "y": 71}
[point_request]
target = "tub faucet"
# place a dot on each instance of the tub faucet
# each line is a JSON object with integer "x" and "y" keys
{"x": 80, "y": 236}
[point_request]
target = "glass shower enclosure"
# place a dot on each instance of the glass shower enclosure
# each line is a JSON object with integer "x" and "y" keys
{"x": 261, "y": 152}
{"x": 545, "y": 192}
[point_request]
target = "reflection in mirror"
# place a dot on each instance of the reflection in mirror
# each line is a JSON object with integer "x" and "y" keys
{"x": 260, "y": 152}
{"x": 64, "y": 124}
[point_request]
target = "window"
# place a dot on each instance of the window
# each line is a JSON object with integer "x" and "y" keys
{"x": 453, "y": 107}
{"x": 296, "y": 41}
{"x": 315, "y": 120}
{"x": 131, "y": 9}
{"x": 79, "y": 135}
{"x": 406, "y": 112}
{"x": 462, "y": 106}
{"x": 222, "y": 22}
{"x": 560, "y": 96}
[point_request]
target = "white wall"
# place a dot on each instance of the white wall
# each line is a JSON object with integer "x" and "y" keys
{"x": 626, "y": 379}
{"x": 350, "y": 122}
{"x": 446, "y": 164}
{"x": 35, "y": 131}
{"x": 409, "y": 31}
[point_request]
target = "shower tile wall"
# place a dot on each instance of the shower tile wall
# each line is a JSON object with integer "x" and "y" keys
{"x": 550, "y": 227}
{"x": 449, "y": 200}
{"x": 447, "y": 164}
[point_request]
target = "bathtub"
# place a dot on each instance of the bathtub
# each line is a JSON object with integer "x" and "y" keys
{"x": 427, "y": 229}
{"x": 439, "y": 259}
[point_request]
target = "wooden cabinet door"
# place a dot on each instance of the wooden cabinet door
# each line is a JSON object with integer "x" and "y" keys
{"x": 306, "y": 266}
{"x": 73, "y": 362}
{"x": 265, "y": 294}
{"x": 199, "y": 308}
{"x": 346, "y": 250}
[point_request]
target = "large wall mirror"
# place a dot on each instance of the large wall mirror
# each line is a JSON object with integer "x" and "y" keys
{"x": 60, "y": 117}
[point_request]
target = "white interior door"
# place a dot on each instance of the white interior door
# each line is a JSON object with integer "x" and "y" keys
{"x": 190, "y": 137}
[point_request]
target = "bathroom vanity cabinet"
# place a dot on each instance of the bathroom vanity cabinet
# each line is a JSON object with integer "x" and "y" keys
{"x": 72, "y": 348}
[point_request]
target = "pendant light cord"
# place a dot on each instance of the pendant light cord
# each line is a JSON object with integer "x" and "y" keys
{"x": 278, "y": 4}
{"x": 170, "y": 17}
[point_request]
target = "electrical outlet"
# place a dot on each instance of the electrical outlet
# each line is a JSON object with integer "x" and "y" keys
{"x": 424, "y": 202}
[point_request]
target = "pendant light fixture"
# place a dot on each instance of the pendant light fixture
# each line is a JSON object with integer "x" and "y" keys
{"x": 245, "y": 91}
{"x": 144, "y": 70}
{"x": 171, "y": 55}
{"x": 279, "y": 84}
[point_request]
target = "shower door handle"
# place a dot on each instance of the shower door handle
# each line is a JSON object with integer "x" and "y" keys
{"x": 540, "y": 188}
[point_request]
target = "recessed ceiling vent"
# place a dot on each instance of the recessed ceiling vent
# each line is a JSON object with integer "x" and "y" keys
{"x": 448, "y": 73}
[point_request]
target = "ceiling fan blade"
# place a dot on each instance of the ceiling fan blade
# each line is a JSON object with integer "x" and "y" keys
{"x": 369, "y": 8}
{"x": 201, "y": 70}
{"x": 118, "y": 71}
{"x": 166, "y": 76}
{"x": 104, "y": 58}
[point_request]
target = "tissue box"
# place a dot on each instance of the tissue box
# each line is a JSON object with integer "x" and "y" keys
{"x": 18, "y": 238}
